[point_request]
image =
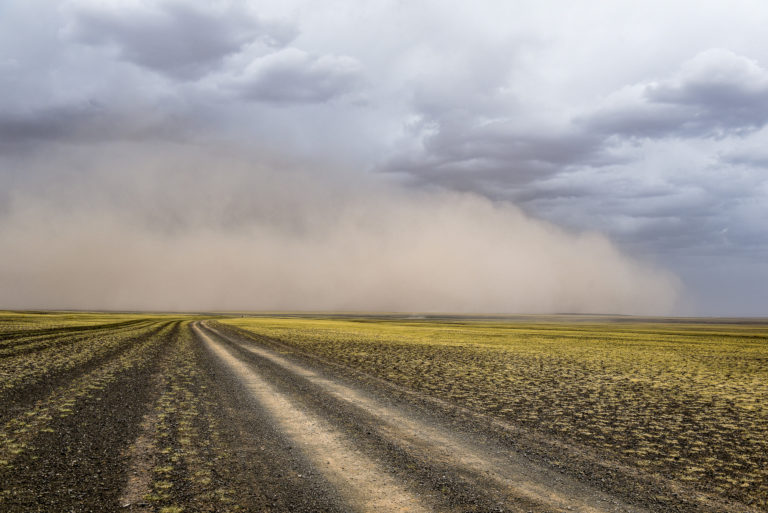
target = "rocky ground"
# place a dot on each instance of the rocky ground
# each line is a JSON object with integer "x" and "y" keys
{"x": 192, "y": 415}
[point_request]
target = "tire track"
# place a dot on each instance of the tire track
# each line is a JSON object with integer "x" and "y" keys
{"x": 28, "y": 380}
{"x": 363, "y": 484}
{"x": 9, "y": 338}
{"x": 70, "y": 454}
{"x": 505, "y": 475}
{"x": 17, "y": 433}
{"x": 59, "y": 340}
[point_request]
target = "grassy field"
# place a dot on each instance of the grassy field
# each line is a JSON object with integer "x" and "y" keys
{"x": 682, "y": 400}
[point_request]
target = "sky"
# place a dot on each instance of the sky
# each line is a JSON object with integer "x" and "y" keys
{"x": 484, "y": 156}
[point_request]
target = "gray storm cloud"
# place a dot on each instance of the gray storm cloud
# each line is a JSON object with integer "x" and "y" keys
{"x": 175, "y": 228}
{"x": 179, "y": 39}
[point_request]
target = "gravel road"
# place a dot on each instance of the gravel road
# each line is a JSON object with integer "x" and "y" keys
{"x": 380, "y": 453}
{"x": 182, "y": 415}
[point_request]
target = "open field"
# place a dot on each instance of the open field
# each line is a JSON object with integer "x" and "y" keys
{"x": 682, "y": 401}
{"x": 172, "y": 413}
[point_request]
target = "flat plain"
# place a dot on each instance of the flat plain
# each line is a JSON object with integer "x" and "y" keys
{"x": 281, "y": 412}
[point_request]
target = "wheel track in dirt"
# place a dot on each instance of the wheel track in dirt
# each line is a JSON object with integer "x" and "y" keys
{"x": 450, "y": 471}
{"x": 61, "y": 338}
{"x": 77, "y": 462}
{"x": 23, "y": 395}
{"x": 11, "y": 338}
{"x": 630, "y": 485}
{"x": 272, "y": 429}
{"x": 366, "y": 486}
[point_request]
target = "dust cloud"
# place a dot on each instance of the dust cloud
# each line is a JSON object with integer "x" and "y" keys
{"x": 180, "y": 228}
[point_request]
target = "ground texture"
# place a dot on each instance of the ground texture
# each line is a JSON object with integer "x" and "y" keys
{"x": 180, "y": 413}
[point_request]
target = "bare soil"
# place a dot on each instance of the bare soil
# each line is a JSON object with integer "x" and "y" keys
{"x": 212, "y": 419}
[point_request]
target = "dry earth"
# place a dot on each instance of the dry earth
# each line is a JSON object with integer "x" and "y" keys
{"x": 199, "y": 416}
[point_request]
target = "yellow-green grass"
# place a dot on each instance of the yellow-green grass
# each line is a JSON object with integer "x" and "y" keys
{"x": 22, "y": 321}
{"x": 70, "y": 371}
{"x": 684, "y": 400}
{"x": 16, "y": 432}
{"x": 186, "y": 442}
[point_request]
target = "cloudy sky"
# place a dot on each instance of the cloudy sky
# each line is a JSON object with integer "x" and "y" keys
{"x": 638, "y": 127}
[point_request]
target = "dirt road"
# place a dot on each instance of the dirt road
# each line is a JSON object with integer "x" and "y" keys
{"x": 179, "y": 415}
{"x": 383, "y": 454}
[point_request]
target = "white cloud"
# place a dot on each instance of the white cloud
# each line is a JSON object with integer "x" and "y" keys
{"x": 295, "y": 76}
{"x": 715, "y": 93}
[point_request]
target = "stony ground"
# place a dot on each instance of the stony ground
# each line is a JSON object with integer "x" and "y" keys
{"x": 170, "y": 414}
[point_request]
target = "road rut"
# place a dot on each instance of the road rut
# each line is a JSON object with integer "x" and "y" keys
{"x": 354, "y": 453}
{"x": 366, "y": 486}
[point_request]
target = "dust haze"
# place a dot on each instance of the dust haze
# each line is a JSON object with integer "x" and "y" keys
{"x": 181, "y": 228}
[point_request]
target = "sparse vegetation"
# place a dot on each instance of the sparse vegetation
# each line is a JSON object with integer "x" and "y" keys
{"x": 117, "y": 402}
{"x": 688, "y": 402}
{"x": 187, "y": 445}
{"x": 95, "y": 405}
